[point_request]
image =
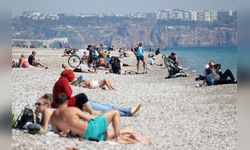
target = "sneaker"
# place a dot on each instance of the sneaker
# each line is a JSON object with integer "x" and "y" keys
{"x": 134, "y": 111}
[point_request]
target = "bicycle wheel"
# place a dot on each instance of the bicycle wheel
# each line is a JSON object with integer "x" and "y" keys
{"x": 74, "y": 61}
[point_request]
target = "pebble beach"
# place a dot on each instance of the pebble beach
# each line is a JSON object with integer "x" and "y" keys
{"x": 174, "y": 113}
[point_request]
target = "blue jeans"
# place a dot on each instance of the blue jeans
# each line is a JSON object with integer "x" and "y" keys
{"x": 107, "y": 107}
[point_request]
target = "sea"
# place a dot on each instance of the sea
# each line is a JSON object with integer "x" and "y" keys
{"x": 194, "y": 59}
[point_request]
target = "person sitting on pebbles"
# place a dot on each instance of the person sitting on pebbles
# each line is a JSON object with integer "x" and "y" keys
{"x": 67, "y": 120}
{"x": 36, "y": 63}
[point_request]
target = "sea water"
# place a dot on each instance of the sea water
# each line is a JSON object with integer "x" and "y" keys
{"x": 194, "y": 59}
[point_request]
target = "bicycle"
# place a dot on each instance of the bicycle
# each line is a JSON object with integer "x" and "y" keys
{"x": 74, "y": 61}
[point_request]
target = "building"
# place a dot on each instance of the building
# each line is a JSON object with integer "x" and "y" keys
{"x": 193, "y": 15}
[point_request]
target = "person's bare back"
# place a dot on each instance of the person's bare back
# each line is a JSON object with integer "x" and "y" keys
{"x": 70, "y": 118}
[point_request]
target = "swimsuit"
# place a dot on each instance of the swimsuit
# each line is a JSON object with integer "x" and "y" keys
{"x": 94, "y": 84}
{"x": 96, "y": 129}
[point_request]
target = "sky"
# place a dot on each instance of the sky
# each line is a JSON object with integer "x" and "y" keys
{"x": 115, "y": 6}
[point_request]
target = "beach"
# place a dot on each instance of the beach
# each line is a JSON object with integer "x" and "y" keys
{"x": 174, "y": 113}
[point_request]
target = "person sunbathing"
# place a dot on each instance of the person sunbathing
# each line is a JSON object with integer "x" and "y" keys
{"x": 70, "y": 119}
{"x": 78, "y": 69}
{"x": 93, "y": 84}
{"x": 43, "y": 112}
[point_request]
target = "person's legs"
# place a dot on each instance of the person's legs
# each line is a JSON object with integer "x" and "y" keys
{"x": 37, "y": 63}
{"x": 228, "y": 73}
{"x": 103, "y": 82}
{"x": 128, "y": 136}
{"x": 224, "y": 81}
{"x": 108, "y": 107}
{"x": 138, "y": 63}
{"x": 108, "y": 82}
{"x": 114, "y": 117}
{"x": 144, "y": 63}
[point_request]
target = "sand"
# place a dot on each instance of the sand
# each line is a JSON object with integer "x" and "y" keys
{"x": 175, "y": 113}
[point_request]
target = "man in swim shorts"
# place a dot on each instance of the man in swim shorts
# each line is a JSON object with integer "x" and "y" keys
{"x": 71, "y": 119}
{"x": 86, "y": 126}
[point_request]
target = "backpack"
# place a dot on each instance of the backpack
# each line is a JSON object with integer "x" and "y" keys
{"x": 115, "y": 65}
{"x": 25, "y": 116}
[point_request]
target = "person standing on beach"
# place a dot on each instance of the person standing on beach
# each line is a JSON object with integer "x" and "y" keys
{"x": 139, "y": 56}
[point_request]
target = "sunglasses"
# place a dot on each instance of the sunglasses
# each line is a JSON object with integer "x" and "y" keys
{"x": 38, "y": 104}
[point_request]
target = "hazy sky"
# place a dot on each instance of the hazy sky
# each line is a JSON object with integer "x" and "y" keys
{"x": 115, "y": 6}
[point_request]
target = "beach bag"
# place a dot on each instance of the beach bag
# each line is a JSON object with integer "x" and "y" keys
{"x": 27, "y": 115}
{"x": 115, "y": 65}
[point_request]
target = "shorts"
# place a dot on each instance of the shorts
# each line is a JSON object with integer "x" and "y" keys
{"x": 94, "y": 84}
{"x": 81, "y": 99}
{"x": 140, "y": 58}
{"x": 97, "y": 127}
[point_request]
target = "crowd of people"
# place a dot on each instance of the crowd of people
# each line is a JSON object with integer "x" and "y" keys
{"x": 66, "y": 114}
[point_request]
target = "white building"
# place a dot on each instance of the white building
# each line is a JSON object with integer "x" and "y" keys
{"x": 194, "y": 15}
{"x": 208, "y": 16}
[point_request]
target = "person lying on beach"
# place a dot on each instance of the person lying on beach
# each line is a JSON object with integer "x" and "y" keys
{"x": 70, "y": 119}
{"x": 77, "y": 69}
{"x": 43, "y": 113}
{"x": 131, "y": 72}
{"x": 93, "y": 84}
{"x": 43, "y": 107}
{"x": 32, "y": 61}
{"x": 214, "y": 76}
